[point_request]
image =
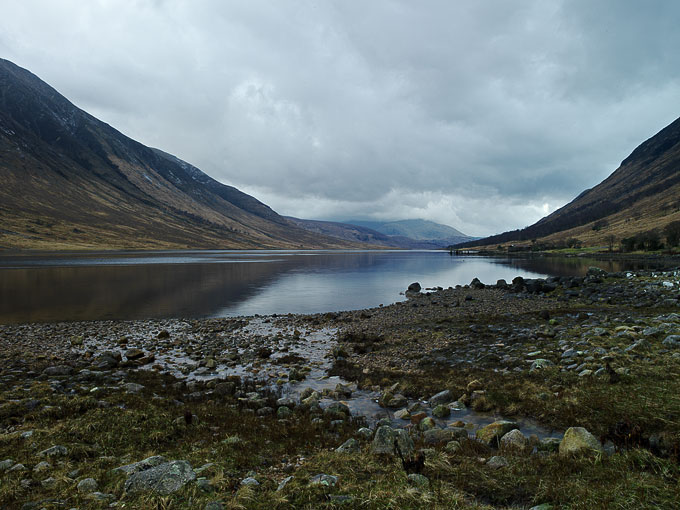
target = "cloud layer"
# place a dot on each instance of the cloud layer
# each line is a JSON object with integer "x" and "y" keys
{"x": 483, "y": 115}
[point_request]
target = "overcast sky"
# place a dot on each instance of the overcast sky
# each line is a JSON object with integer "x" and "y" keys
{"x": 484, "y": 115}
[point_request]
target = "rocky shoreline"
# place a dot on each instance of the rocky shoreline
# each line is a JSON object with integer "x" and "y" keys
{"x": 472, "y": 377}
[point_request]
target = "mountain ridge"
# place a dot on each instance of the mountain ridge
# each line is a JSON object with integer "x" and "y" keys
{"x": 642, "y": 194}
{"x": 74, "y": 182}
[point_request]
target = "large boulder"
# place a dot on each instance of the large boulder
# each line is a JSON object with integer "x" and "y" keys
{"x": 515, "y": 441}
{"x": 492, "y": 433}
{"x": 414, "y": 287}
{"x": 164, "y": 479}
{"x": 578, "y": 440}
{"x": 383, "y": 441}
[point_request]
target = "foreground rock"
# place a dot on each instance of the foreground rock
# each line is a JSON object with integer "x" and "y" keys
{"x": 578, "y": 440}
{"x": 164, "y": 479}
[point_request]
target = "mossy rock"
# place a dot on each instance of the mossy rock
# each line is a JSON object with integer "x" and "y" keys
{"x": 578, "y": 440}
{"x": 492, "y": 433}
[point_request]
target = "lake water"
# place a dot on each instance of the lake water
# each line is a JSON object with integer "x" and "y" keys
{"x": 197, "y": 284}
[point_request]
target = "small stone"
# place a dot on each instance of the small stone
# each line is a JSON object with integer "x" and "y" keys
{"x": 283, "y": 483}
{"x": 204, "y": 485}
{"x": 672, "y": 341}
{"x": 283, "y": 412}
{"x": 397, "y": 401}
{"x": 548, "y": 444}
{"x": 87, "y": 485}
{"x": 453, "y": 447}
{"x": 58, "y": 370}
{"x": 418, "y": 480}
{"x": 427, "y": 424}
{"x": 42, "y": 466}
{"x": 134, "y": 353}
{"x": 48, "y": 482}
{"x": 54, "y": 451}
{"x": 325, "y": 480}
{"x": 402, "y": 414}
{"x": 349, "y": 446}
{"x": 492, "y": 433}
{"x": 6, "y": 464}
{"x": 133, "y": 388}
{"x": 585, "y": 373}
{"x": 540, "y": 364}
{"x": 497, "y": 462}
{"x": 364, "y": 433}
{"x": 250, "y": 482}
{"x": 443, "y": 397}
{"x": 214, "y": 505}
{"x": 441, "y": 411}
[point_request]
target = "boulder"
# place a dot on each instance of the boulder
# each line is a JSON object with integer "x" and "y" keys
{"x": 578, "y": 440}
{"x": 443, "y": 397}
{"x": 164, "y": 479}
{"x": 515, "y": 441}
{"x": 87, "y": 485}
{"x": 134, "y": 353}
{"x": 383, "y": 441}
{"x": 441, "y": 436}
{"x": 414, "y": 287}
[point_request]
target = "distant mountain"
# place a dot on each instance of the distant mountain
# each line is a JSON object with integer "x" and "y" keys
{"x": 415, "y": 229}
{"x": 69, "y": 180}
{"x": 392, "y": 234}
{"x": 642, "y": 194}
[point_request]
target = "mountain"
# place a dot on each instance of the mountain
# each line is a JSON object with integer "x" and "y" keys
{"x": 415, "y": 229}
{"x": 404, "y": 234}
{"x": 70, "y": 181}
{"x": 643, "y": 194}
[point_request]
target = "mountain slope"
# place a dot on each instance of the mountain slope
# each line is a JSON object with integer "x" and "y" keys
{"x": 642, "y": 194}
{"x": 72, "y": 181}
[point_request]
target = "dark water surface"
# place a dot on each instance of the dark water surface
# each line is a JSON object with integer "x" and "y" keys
{"x": 195, "y": 284}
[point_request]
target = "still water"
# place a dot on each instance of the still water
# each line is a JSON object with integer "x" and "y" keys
{"x": 196, "y": 284}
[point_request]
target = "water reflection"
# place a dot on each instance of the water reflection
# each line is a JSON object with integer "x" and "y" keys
{"x": 193, "y": 284}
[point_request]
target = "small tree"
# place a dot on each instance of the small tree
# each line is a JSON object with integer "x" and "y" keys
{"x": 573, "y": 242}
{"x": 611, "y": 240}
{"x": 649, "y": 240}
{"x": 628, "y": 244}
{"x": 672, "y": 233}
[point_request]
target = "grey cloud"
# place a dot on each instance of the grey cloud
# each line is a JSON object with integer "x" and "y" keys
{"x": 479, "y": 114}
